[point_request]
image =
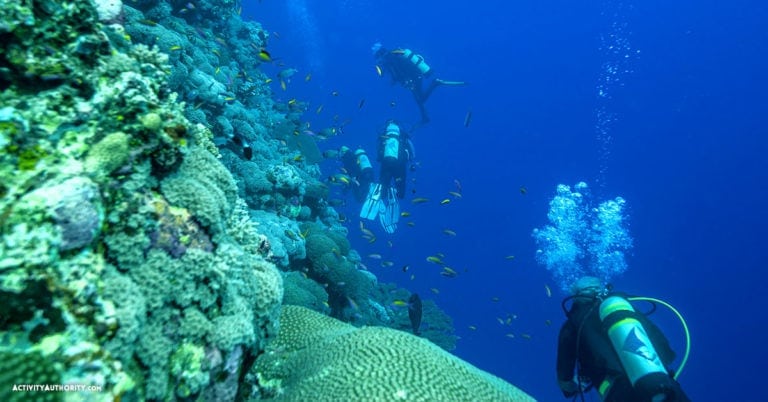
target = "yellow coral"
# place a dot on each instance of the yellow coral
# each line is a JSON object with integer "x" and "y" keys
{"x": 316, "y": 357}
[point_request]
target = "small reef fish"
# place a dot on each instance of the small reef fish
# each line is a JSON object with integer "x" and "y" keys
{"x": 525, "y": 336}
{"x": 405, "y": 214}
{"x": 458, "y": 185}
{"x": 548, "y": 322}
{"x": 265, "y": 56}
{"x": 468, "y": 119}
{"x": 282, "y": 85}
{"x": 448, "y": 272}
{"x": 435, "y": 260}
{"x": 399, "y": 303}
{"x": 449, "y": 232}
{"x": 374, "y": 256}
{"x": 495, "y": 299}
{"x": 411, "y": 224}
{"x": 415, "y": 312}
{"x": 435, "y": 290}
{"x": 472, "y": 328}
{"x": 392, "y": 104}
{"x": 455, "y": 194}
{"x": 523, "y": 190}
{"x": 268, "y": 81}
{"x": 510, "y": 335}
{"x": 378, "y": 71}
{"x": 175, "y": 48}
{"x": 308, "y": 77}
{"x": 319, "y": 109}
{"x": 419, "y": 200}
{"x": 398, "y": 51}
{"x": 148, "y": 23}
{"x": 360, "y": 105}
{"x": 548, "y": 290}
{"x": 509, "y": 257}
{"x": 387, "y": 264}
{"x": 445, "y": 201}
{"x": 405, "y": 268}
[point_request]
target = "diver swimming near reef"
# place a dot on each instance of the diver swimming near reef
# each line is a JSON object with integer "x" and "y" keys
{"x": 409, "y": 69}
{"x": 615, "y": 349}
{"x": 394, "y": 152}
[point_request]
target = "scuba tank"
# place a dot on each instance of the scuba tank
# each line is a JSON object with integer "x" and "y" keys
{"x": 392, "y": 142}
{"x": 362, "y": 160}
{"x": 417, "y": 61}
{"x": 638, "y": 357}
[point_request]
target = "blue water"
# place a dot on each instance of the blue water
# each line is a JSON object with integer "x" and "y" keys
{"x": 685, "y": 146}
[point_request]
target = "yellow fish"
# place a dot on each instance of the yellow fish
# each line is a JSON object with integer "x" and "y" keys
{"x": 405, "y": 214}
{"x": 282, "y": 85}
{"x": 448, "y": 272}
{"x": 264, "y": 55}
{"x": 298, "y": 158}
{"x": 445, "y": 201}
{"x": 400, "y": 303}
{"x": 419, "y": 200}
{"x": 175, "y": 48}
{"x": 268, "y": 80}
{"x": 435, "y": 260}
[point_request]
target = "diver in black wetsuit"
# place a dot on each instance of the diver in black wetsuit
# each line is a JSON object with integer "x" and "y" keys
{"x": 587, "y": 346}
{"x": 410, "y": 71}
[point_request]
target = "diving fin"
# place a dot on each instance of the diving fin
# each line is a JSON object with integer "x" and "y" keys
{"x": 373, "y": 203}
{"x": 451, "y": 83}
{"x": 391, "y": 213}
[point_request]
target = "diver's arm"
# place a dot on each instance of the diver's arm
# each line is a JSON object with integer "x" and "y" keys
{"x": 566, "y": 360}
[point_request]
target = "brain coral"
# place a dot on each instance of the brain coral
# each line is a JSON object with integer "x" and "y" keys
{"x": 319, "y": 358}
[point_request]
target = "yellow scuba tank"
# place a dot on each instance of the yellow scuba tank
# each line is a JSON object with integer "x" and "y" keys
{"x": 638, "y": 357}
{"x": 417, "y": 60}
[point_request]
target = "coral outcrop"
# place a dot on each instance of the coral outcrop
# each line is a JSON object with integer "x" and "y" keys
{"x": 315, "y": 356}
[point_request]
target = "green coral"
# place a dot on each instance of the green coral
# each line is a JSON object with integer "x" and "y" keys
{"x": 29, "y": 367}
{"x": 108, "y": 154}
{"x": 315, "y": 356}
{"x": 187, "y": 366}
{"x": 302, "y": 291}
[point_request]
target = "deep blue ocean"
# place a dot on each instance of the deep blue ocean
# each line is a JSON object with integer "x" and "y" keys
{"x": 679, "y": 131}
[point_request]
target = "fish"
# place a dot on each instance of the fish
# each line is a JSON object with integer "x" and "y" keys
{"x": 548, "y": 322}
{"x": 392, "y": 104}
{"x": 298, "y": 158}
{"x": 510, "y": 335}
{"x": 495, "y": 299}
{"x": 292, "y": 101}
{"x": 472, "y": 328}
{"x": 445, "y": 201}
{"x": 319, "y": 109}
{"x": 374, "y": 256}
{"x": 387, "y": 264}
{"x": 523, "y": 190}
{"x": 500, "y": 320}
{"x": 415, "y": 312}
{"x": 525, "y": 336}
{"x": 435, "y": 260}
{"x": 548, "y": 290}
{"x": 405, "y": 214}
{"x": 378, "y": 71}
{"x": 413, "y": 276}
{"x": 264, "y": 55}
{"x": 509, "y": 257}
{"x": 148, "y": 23}
{"x": 405, "y": 268}
{"x": 308, "y": 77}
{"x": 287, "y": 73}
{"x": 458, "y": 185}
{"x": 360, "y": 105}
{"x": 468, "y": 119}
{"x": 455, "y": 194}
{"x": 411, "y": 224}
{"x": 449, "y": 232}
{"x": 398, "y": 51}
{"x": 175, "y": 48}
{"x": 448, "y": 272}
{"x": 268, "y": 81}
{"x": 282, "y": 85}
{"x": 399, "y": 303}
{"x": 335, "y": 93}
{"x": 419, "y": 200}
{"x": 435, "y": 290}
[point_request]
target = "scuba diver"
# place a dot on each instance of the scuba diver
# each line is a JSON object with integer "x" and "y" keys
{"x": 409, "y": 70}
{"x": 615, "y": 349}
{"x": 394, "y": 153}
{"x": 359, "y": 168}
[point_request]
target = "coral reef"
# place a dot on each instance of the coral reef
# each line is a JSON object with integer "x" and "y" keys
{"x": 315, "y": 356}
